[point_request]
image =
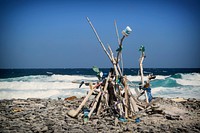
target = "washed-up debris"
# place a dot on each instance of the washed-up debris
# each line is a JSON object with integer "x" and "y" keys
{"x": 70, "y": 98}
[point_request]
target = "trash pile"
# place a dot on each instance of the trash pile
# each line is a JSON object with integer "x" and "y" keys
{"x": 112, "y": 91}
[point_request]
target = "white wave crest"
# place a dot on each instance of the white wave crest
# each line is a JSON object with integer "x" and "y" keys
{"x": 42, "y": 86}
{"x": 135, "y": 78}
{"x": 192, "y": 79}
{"x": 173, "y": 92}
{"x": 42, "y": 94}
{"x": 138, "y": 78}
{"x": 71, "y": 78}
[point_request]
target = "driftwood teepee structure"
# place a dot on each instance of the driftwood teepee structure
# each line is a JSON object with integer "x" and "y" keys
{"x": 113, "y": 91}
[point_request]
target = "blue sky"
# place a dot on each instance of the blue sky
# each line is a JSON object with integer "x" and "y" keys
{"x": 56, "y": 34}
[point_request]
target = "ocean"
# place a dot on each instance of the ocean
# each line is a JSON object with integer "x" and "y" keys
{"x": 54, "y": 83}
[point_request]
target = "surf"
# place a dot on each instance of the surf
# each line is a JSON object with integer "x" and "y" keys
{"x": 185, "y": 85}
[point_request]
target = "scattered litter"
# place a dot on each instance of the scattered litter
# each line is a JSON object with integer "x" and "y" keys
{"x": 70, "y": 98}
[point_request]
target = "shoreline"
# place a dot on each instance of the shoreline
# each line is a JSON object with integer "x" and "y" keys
{"x": 50, "y": 115}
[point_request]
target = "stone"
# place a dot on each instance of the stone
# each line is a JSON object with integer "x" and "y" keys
{"x": 172, "y": 117}
{"x": 44, "y": 129}
{"x": 48, "y": 115}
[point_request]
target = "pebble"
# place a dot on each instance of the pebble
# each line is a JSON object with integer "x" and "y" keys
{"x": 34, "y": 115}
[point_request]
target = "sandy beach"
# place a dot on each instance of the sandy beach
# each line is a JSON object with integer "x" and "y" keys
{"x": 50, "y": 115}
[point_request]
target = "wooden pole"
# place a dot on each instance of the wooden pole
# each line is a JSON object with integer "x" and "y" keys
{"x": 74, "y": 113}
{"x": 110, "y": 56}
{"x": 104, "y": 95}
{"x": 95, "y": 104}
{"x": 126, "y": 97}
{"x": 113, "y": 62}
{"x": 117, "y": 33}
{"x": 132, "y": 101}
{"x": 142, "y": 75}
{"x": 120, "y": 46}
{"x": 102, "y": 45}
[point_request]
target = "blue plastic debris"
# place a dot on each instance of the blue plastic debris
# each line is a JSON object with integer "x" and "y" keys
{"x": 137, "y": 120}
{"x": 86, "y": 112}
{"x": 149, "y": 94}
{"x": 122, "y": 119}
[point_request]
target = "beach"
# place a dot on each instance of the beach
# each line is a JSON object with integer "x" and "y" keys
{"x": 50, "y": 115}
{"x": 35, "y": 101}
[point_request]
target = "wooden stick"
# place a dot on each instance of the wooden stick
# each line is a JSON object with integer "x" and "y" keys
{"x": 142, "y": 76}
{"x": 95, "y": 104}
{"x": 141, "y": 69}
{"x": 120, "y": 45}
{"x": 74, "y": 113}
{"x": 111, "y": 57}
{"x": 106, "y": 94}
{"x": 102, "y": 45}
{"x": 126, "y": 97}
{"x": 119, "y": 69}
{"x": 131, "y": 108}
{"x": 120, "y": 107}
{"x": 117, "y": 33}
{"x": 132, "y": 101}
{"x": 113, "y": 62}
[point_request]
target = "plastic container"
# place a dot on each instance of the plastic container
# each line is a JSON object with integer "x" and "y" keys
{"x": 127, "y": 31}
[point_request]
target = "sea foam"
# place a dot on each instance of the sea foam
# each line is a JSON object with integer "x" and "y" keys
{"x": 44, "y": 86}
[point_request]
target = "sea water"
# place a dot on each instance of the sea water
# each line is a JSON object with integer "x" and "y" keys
{"x": 54, "y": 83}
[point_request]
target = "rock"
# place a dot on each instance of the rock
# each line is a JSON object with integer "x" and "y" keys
{"x": 157, "y": 115}
{"x": 95, "y": 121}
{"x": 44, "y": 129}
{"x": 191, "y": 100}
{"x": 172, "y": 117}
{"x": 49, "y": 115}
{"x": 116, "y": 121}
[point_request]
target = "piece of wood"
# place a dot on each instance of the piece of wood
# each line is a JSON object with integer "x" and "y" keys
{"x": 120, "y": 107}
{"x": 119, "y": 52}
{"x": 131, "y": 109}
{"x": 119, "y": 69}
{"x": 142, "y": 75}
{"x": 126, "y": 96}
{"x": 102, "y": 45}
{"x": 95, "y": 104}
{"x": 122, "y": 65}
{"x": 117, "y": 33}
{"x": 132, "y": 101}
{"x": 113, "y": 61}
{"x": 74, "y": 113}
{"x": 111, "y": 94}
{"x": 104, "y": 95}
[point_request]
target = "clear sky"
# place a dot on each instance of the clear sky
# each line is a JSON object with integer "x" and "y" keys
{"x": 56, "y": 34}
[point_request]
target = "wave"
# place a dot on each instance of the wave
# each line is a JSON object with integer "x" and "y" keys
{"x": 62, "y": 93}
{"x": 52, "y": 78}
{"x": 189, "y": 79}
{"x": 173, "y": 92}
{"x": 43, "y": 82}
{"x": 53, "y": 86}
{"x": 43, "y": 86}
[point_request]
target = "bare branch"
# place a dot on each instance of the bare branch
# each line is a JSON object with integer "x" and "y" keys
{"x": 102, "y": 45}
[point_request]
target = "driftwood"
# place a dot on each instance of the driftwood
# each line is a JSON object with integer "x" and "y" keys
{"x": 105, "y": 95}
{"x": 141, "y": 71}
{"x": 114, "y": 93}
{"x": 74, "y": 113}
